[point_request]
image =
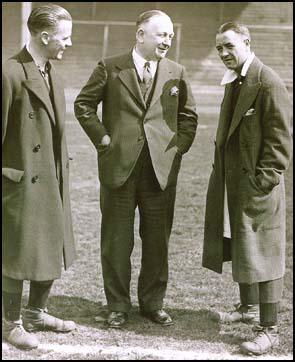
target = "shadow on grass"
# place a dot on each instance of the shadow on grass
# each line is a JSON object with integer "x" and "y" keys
{"x": 188, "y": 324}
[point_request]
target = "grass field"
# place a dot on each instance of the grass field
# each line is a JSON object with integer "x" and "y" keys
{"x": 192, "y": 290}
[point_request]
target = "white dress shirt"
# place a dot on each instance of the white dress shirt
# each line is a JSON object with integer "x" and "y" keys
{"x": 230, "y": 76}
{"x": 139, "y": 63}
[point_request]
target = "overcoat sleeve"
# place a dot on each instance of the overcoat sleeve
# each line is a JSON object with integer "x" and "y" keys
{"x": 276, "y": 140}
{"x": 187, "y": 117}
{"x": 87, "y": 101}
{"x": 6, "y": 102}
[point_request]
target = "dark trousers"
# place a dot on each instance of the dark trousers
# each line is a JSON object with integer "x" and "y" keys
{"x": 156, "y": 209}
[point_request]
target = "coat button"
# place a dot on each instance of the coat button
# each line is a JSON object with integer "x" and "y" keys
{"x": 244, "y": 170}
{"x": 36, "y": 148}
{"x": 32, "y": 115}
{"x": 35, "y": 179}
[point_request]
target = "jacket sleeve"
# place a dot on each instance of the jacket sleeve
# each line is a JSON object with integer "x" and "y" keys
{"x": 86, "y": 104}
{"x": 187, "y": 117}
{"x": 276, "y": 147}
{"x": 6, "y": 101}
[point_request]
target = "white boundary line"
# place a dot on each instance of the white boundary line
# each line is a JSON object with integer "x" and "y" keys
{"x": 135, "y": 352}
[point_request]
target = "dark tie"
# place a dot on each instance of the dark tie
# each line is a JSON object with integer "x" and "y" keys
{"x": 147, "y": 78}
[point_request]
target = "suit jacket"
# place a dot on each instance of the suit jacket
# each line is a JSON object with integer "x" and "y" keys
{"x": 168, "y": 122}
{"x": 251, "y": 156}
{"x": 37, "y": 233}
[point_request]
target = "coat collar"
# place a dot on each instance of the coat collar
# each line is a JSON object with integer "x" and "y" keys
{"x": 129, "y": 77}
{"x": 249, "y": 91}
{"x": 35, "y": 83}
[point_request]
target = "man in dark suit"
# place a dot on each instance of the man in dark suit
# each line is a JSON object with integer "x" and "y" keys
{"x": 245, "y": 208}
{"x": 37, "y": 235}
{"x": 148, "y": 123}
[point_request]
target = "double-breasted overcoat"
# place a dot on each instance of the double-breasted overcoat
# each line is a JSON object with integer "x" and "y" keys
{"x": 37, "y": 235}
{"x": 251, "y": 156}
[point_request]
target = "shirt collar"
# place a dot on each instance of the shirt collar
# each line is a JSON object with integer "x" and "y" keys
{"x": 139, "y": 63}
{"x": 230, "y": 75}
{"x": 47, "y": 65}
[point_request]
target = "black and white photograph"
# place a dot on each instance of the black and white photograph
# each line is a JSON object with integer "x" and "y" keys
{"x": 147, "y": 180}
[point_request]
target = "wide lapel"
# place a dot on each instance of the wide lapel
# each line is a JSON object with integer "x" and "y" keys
{"x": 35, "y": 83}
{"x": 222, "y": 130}
{"x": 129, "y": 78}
{"x": 163, "y": 75}
{"x": 58, "y": 99}
{"x": 249, "y": 90}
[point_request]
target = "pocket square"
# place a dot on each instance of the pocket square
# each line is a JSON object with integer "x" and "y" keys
{"x": 250, "y": 112}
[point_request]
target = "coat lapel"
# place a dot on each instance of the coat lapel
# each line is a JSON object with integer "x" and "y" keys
{"x": 128, "y": 76}
{"x": 222, "y": 130}
{"x": 247, "y": 95}
{"x": 35, "y": 83}
{"x": 58, "y": 99}
{"x": 162, "y": 78}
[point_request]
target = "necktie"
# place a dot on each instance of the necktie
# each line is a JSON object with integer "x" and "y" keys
{"x": 147, "y": 75}
{"x": 147, "y": 79}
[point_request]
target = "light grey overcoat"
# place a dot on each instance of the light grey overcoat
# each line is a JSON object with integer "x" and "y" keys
{"x": 37, "y": 235}
{"x": 251, "y": 157}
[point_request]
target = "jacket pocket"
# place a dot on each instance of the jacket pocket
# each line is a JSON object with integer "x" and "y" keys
{"x": 12, "y": 174}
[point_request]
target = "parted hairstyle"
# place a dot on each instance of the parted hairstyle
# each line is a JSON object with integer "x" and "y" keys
{"x": 145, "y": 17}
{"x": 236, "y": 27}
{"x": 46, "y": 17}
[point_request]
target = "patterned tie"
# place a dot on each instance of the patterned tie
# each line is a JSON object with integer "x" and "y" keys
{"x": 147, "y": 78}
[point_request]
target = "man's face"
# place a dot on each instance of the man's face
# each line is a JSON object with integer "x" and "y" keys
{"x": 233, "y": 49}
{"x": 155, "y": 37}
{"x": 59, "y": 40}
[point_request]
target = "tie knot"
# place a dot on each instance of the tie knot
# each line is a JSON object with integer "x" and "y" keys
{"x": 147, "y": 65}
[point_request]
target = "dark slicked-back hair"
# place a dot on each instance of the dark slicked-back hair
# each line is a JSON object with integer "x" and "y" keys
{"x": 145, "y": 17}
{"x": 236, "y": 27}
{"x": 46, "y": 17}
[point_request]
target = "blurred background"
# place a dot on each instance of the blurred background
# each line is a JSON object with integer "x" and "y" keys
{"x": 107, "y": 28}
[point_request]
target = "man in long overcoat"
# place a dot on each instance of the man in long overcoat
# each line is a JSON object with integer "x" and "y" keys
{"x": 37, "y": 235}
{"x": 245, "y": 206}
{"x": 148, "y": 123}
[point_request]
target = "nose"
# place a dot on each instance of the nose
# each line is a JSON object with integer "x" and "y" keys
{"x": 167, "y": 41}
{"x": 223, "y": 53}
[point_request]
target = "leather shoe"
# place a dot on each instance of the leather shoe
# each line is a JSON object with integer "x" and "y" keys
{"x": 117, "y": 319}
{"x": 158, "y": 316}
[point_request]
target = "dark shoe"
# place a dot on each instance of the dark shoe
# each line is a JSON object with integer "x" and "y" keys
{"x": 117, "y": 319}
{"x": 266, "y": 338}
{"x": 14, "y": 333}
{"x": 242, "y": 313}
{"x": 36, "y": 319}
{"x": 158, "y": 316}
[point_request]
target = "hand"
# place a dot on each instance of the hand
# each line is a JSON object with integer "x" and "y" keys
{"x": 105, "y": 141}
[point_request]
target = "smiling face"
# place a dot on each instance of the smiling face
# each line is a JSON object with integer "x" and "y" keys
{"x": 233, "y": 49}
{"x": 154, "y": 37}
{"x": 58, "y": 40}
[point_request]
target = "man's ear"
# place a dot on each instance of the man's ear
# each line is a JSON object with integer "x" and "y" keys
{"x": 139, "y": 35}
{"x": 44, "y": 37}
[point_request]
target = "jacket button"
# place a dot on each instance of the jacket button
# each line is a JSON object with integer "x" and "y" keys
{"x": 36, "y": 148}
{"x": 31, "y": 115}
{"x": 35, "y": 179}
{"x": 140, "y": 138}
{"x": 244, "y": 170}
